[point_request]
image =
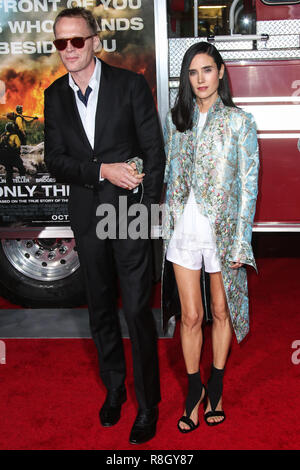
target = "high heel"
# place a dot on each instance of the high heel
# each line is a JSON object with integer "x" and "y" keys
{"x": 195, "y": 391}
{"x": 214, "y": 393}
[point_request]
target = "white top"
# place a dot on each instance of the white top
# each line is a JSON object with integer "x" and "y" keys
{"x": 88, "y": 113}
{"x": 193, "y": 230}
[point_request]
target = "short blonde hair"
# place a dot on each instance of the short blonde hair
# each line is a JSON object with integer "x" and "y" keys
{"x": 78, "y": 12}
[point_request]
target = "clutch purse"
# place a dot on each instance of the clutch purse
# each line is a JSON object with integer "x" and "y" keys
{"x": 138, "y": 163}
{"x": 139, "y": 166}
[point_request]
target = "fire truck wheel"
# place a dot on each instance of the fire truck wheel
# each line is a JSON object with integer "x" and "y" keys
{"x": 41, "y": 273}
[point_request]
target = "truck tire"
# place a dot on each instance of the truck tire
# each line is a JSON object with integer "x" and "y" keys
{"x": 41, "y": 273}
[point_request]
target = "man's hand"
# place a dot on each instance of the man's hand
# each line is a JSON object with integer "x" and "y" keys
{"x": 122, "y": 174}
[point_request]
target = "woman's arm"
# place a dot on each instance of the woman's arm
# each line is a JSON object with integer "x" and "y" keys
{"x": 248, "y": 168}
{"x": 167, "y": 130}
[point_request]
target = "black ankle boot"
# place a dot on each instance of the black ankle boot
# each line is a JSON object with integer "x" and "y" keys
{"x": 214, "y": 393}
{"x": 195, "y": 390}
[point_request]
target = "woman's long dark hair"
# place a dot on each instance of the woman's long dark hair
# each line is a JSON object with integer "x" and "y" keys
{"x": 182, "y": 112}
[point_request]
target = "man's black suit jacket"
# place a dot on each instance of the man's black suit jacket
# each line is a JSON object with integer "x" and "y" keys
{"x": 126, "y": 126}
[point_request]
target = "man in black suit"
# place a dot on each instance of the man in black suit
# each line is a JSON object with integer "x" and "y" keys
{"x": 96, "y": 118}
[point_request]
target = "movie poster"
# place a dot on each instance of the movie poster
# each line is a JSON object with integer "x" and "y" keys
{"x": 29, "y": 63}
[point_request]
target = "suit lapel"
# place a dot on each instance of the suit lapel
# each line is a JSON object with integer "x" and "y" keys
{"x": 103, "y": 104}
{"x": 72, "y": 114}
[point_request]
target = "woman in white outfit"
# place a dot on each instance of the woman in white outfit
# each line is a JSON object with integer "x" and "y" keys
{"x": 211, "y": 176}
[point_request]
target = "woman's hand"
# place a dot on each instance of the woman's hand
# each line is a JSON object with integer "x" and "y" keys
{"x": 236, "y": 264}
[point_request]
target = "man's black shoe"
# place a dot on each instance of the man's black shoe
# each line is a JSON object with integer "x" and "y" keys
{"x": 144, "y": 427}
{"x": 111, "y": 410}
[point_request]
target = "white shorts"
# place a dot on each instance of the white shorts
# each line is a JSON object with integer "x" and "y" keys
{"x": 193, "y": 259}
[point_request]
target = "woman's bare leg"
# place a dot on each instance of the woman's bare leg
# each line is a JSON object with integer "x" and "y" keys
{"x": 188, "y": 283}
{"x": 221, "y": 329}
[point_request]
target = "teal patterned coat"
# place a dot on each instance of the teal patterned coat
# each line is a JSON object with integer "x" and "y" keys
{"x": 221, "y": 166}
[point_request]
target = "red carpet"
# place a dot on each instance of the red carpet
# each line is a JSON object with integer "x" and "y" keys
{"x": 50, "y": 394}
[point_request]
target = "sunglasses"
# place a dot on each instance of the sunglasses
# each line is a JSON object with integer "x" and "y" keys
{"x": 79, "y": 42}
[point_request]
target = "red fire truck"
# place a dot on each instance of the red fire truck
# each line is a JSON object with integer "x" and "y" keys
{"x": 260, "y": 42}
